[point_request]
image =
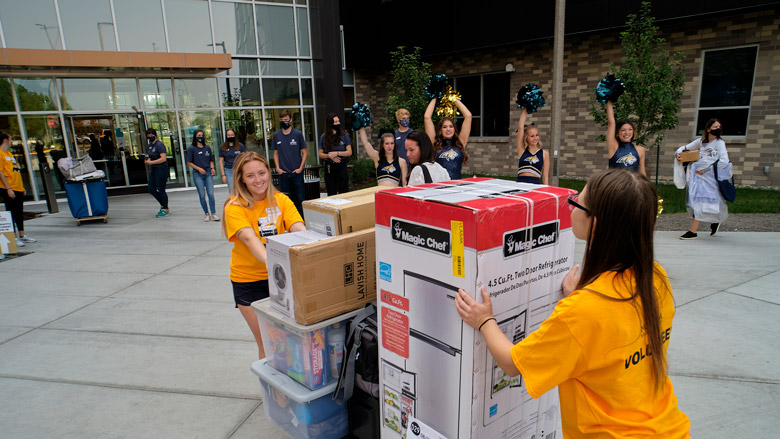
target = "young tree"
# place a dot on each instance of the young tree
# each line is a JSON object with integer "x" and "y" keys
{"x": 407, "y": 88}
{"x": 654, "y": 81}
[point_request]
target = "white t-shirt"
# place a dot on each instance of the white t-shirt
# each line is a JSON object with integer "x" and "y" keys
{"x": 438, "y": 173}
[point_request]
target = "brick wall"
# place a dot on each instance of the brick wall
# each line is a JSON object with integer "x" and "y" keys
{"x": 586, "y": 60}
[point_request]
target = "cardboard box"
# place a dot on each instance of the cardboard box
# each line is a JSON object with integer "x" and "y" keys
{"x": 689, "y": 156}
{"x": 313, "y": 277}
{"x": 513, "y": 239}
{"x": 343, "y": 213}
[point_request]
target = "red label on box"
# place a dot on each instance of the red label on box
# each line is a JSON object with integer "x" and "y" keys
{"x": 395, "y": 332}
{"x": 395, "y": 300}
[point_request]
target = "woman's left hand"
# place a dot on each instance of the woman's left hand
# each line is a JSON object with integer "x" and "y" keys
{"x": 472, "y": 312}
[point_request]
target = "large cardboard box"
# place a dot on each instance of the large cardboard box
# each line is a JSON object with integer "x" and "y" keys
{"x": 513, "y": 239}
{"x": 313, "y": 277}
{"x": 689, "y": 156}
{"x": 343, "y": 213}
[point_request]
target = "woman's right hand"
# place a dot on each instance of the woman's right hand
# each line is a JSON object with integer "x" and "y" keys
{"x": 679, "y": 157}
{"x": 11, "y": 193}
{"x": 571, "y": 280}
{"x": 202, "y": 171}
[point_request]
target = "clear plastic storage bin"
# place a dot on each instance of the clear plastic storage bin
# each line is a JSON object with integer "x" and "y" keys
{"x": 301, "y": 352}
{"x": 300, "y": 412}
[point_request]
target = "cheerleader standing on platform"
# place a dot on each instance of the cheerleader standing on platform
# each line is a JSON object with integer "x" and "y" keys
{"x": 449, "y": 145}
{"x": 533, "y": 163}
{"x": 390, "y": 170}
{"x": 622, "y": 152}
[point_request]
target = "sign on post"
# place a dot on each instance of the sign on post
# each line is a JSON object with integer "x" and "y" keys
{"x": 7, "y": 236}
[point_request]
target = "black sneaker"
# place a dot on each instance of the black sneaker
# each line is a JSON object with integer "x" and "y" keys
{"x": 714, "y": 227}
{"x": 689, "y": 235}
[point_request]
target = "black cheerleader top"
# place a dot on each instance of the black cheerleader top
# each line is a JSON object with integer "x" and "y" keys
{"x": 626, "y": 157}
{"x": 531, "y": 163}
{"x": 389, "y": 172}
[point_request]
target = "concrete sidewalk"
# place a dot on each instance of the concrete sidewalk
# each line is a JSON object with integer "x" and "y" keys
{"x": 127, "y": 329}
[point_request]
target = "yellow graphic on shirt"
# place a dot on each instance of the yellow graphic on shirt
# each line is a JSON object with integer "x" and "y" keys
{"x": 390, "y": 169}
{"x": 532, "y": 160}
{"x": 627, "y": 160}
{"x": 449, "y": 155}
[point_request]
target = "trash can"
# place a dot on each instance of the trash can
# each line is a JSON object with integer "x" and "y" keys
{"x": 87, "y": 199}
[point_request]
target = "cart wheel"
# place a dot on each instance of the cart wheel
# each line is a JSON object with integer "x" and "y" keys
{"x": 78, "y": 223}
{"x": 105, "y": 220}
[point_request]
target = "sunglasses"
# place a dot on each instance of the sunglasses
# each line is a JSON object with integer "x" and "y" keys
{"x": 573, "y": 202}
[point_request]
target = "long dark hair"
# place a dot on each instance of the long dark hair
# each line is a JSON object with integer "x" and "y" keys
{"x": 195, "y": 134}
{"x": 437, "y": 146}
{"x": 624, "y": 205}
{"x": 225, "y": 145}
{"x": 382, "y": 155}
{"x": 705, "y": 137}
{"x": 426, "y": 148}
{"x": 330, "y": 138}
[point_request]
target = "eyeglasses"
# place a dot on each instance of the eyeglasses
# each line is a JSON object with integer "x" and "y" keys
{"x": 573, "y": 202}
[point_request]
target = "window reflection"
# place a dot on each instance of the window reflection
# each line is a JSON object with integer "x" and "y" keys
{"x": 307, "y": 92}
{"x": 235, "y": 27}
{"x": 276, "y": 30}
{"x": 308, "y": 134}
{"x": 167, "y": 131}
{"x": 278, "y": 68}
{"x": 243, "y": 91}
{"x": 87, "y": 24}
{"x": 46, "y": 131}
{"x": 303, "y": 31}
{"x": 188, "y": 26}
{"x": 6, "y": 96}
{"x": 36, "y": 94}
{"x": 280, "y": 92}
{"x": 196, "y": 93}
{"x": 249, "y": 128}
{"x": 156, "y": 93}
{"x": 31, "y": 24}
{"x": 99, "y": 94}
{"x": 209, "y": 122}
{"x": 243, "y": 67}
{"x": 140, "y": 26}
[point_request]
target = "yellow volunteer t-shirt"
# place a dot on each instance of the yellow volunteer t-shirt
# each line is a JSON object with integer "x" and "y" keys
{"x": 593, "y": 349}
{"x": 12, "y": 171}
{"x": 263, "y": 221}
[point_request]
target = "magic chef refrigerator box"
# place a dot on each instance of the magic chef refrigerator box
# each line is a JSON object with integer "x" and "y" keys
{"x": 513, "y": 239}
{"x": 313, "y": 277}
{"x": 343, "y": 213}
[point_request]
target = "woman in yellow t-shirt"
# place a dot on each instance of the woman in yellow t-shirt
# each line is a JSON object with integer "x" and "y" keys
{"x": 253, "y": 211}
{"x": 12, "y": 188}
{"x": 604, "y": 345}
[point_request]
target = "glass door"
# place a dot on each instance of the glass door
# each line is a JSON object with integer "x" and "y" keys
{"x": 131, "y": 150}
{"x": 164, "y": 122}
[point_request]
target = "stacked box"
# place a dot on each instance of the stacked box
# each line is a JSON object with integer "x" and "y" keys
{"x": 513, "y": 239}
{"x": 342, "y": 213}
{"x": 301, "y": 352}
{"x": 298, "y": 411}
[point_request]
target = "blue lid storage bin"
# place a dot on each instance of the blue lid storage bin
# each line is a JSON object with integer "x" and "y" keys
{"x": 300, "y": 412}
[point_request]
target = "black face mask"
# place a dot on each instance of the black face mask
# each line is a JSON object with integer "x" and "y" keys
{"x": 337, "y": 127}
{"x": 150, "y": 139}
{"x": 200, "y": 139}
{"x": 715, "y": 133}
{"x": 284, "y": 124}
{"x": 231, "y": 139}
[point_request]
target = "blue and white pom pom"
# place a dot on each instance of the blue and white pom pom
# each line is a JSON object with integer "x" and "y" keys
{"x": 436, "y": 86}
{"x": 530, "y": 97}
{"x": 360, "y": 115}
{"x": 609, "y": 89}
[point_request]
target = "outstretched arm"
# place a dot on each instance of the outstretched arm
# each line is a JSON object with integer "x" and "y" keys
{"x": 374, "y": 154}
{"x": 521, "y": 132}
{"x": 612, "y": 143}
{"x": 404, "y": 171}
{"x": 465, "y": 128}
{"x": 430, "y": 130}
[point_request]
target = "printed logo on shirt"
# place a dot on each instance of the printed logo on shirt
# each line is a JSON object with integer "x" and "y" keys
{"x": 389, "y": 168}
{"x": 279, "y": 142}
{"x": 293, "y": 142}
{"x": 530, "y": 238}
{"x": 420, "y": 236}
{"x": 532, "y": 160}
{"x": 627, "y": 160}
{"x": 449, "y": 155}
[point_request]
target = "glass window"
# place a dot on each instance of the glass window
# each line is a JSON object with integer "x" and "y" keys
{"x": 165, "y": 124}
{"x": 487, "y": 97}
{"x": 305, "y": 68}
{"x": 303, "y": 31}
{"x": 189, "y": 29}
{"x": 347, "y": 77}
{"x": 278, "y": 68}
{"x": 234, "y": 28}
{"x": 280, "y": 92}
{"x": 243, "y": 67}
{"x": 208, "y": 121}
{"x": 307, "y": 92}
{"x": 248, "y": 125}
{"x": 196, "y": 93}
{"x": 276, "y": 30}
{"x": 10, "y": 124}
{"x": 87, "y": 24}
{"x": 99, "y": 94}
{"x": 31, "y": 24}
{"x": 46, "y": 130}
{"x": 308, "y": 134}
{"x": 726, "y": 88}
{"x": 36, "y": 94}
{"x": 349, "y": 97}
{"x": 244, "y": 92}
{"x": 6, "y": 96}
{"x": 140, "y": 26}
{"x": 156, "y": 93}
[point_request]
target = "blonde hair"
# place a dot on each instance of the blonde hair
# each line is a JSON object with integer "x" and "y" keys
{"x": 402, "y": 112}
{"x": 240, "y": 194}
{"x": 525, "y": 135}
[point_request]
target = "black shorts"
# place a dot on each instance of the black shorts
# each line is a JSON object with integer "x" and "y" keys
{"x": 244, "y": 293}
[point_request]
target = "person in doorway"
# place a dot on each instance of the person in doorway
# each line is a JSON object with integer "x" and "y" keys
{"x": 449, "y": 144}
{"x": 533, "y": 163}
{"x": 201, "y": 159}
{"x": 403, "y": 117}
{"x": 107, "y": 145}
{"x": 94, "y": 148}
{"x": 596, "y": 345}
{"x": 290, "y": 156}
{"x": 419, "y": 151}
{"x": 335, "y": 149}
{"x": 228, "y": 152}
{"x": 622, "y": 152}
{"x": 12, "y": 189}
{"x": 254, "y": 211}
{"x": 390, "y": 167}
{"x": 157, "y": 159}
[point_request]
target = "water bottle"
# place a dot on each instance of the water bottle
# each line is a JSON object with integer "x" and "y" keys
{"x": 336, "y": 337}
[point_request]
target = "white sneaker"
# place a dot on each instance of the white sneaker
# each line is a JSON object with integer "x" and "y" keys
{"x": 27, "y": 239}
{"x": 207, "y": 218}
{"x": 19, "y": 242}
{"x": 214, "y": 217}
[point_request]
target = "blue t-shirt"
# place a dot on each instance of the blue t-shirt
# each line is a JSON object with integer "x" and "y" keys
{"x": 200, "y": 157}
{"x": 344, "y": 140}
{"x": 626, "y": 157}
{"x": 451, "y": 159}
{"x": 154, "y": 151}
{"x": 400, "y": 143}
{"x": 230, "y": 155}
{"x": 289, "y": 147}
